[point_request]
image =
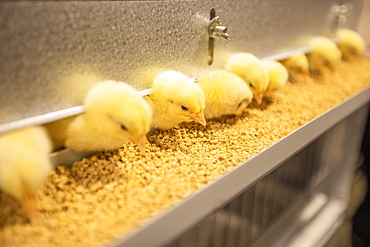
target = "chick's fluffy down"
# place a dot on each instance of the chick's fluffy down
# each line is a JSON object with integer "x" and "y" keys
{"x": 351, "y": 43}
{"x": 226, "y": 94}
{"x": 296, "y": 65}
{"x": 324, "y": 53}
{"x": 114, "y": 114}
{"x": 249, "y": 68}
{"x": 278, "y": 74}
{"x": 175, "y": 98}
{"x": 24, "y": 161}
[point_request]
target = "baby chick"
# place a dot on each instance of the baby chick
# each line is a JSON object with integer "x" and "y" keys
{"x": 114, "y": 114}
{"x": 324, "y": 53}
{"x": 175, "y": 98}
{"x": 296, "y": 65}
{"x": 226, "y": 94}
{"x": 278, "y": 74}
{"x": 250, "y": 69}
{"x": 57, "y": 131}
{"x": 25, "y": 164}
{"x": 351, "y": 44}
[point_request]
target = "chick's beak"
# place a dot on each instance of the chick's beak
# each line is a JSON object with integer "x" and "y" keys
{"x": 29, "y": 201}
{"x": 140, "y": 141}
{"x": 258, "y": 97}
{"x": 306, "y": 72}
{"x": 331, "y": 67}
{"x": 199, "y": 117}
{"x": 358, "y": 57}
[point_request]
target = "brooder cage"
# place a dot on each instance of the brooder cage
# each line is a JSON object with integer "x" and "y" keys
{"x": 293, "y": 193}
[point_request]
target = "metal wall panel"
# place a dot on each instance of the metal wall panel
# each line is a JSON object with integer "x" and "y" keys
{"x": 52, "y": 52}
{"x": 363, "y": 26}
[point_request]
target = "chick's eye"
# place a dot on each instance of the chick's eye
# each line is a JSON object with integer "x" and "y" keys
{"x": 351, "y": 50}
{"x": 297, "y": 69}
{"x": 123, "y": 127}
{"x": 184, "y": 108}
{"x": 250, "y": 84}
{"x": 324, "y": 61}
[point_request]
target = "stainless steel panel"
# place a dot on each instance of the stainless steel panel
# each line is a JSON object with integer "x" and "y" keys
{"x": 52, "y": 52}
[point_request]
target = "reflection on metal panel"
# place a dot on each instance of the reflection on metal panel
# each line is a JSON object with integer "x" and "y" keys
{"x": 52, "y": 52}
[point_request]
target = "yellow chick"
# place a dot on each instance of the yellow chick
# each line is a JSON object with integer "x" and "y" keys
{"x": 296, "y": 65}
{"x": 324, "y": 53}
{"x": 25, "y": 164}
{"x": 350, "y": 43}
{"x": 114, "y": 114}
{"x": 57, "y": 132}
{"x": 175, "y": 98}
{"x": 278, "y": 75}
{"x": 250, "y": 69}
{"x": 226, "y": 94}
